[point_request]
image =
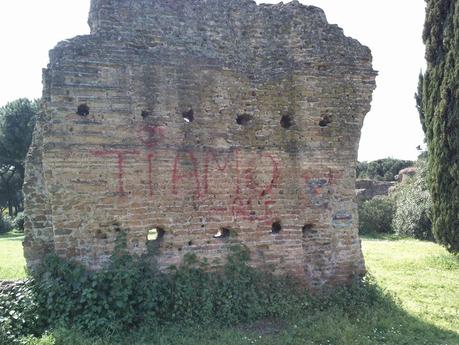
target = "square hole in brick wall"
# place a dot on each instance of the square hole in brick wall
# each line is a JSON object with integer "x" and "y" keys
{"x": 155, "y": 234}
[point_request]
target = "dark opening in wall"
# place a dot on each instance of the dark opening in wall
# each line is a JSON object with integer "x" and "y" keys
{"x": 100, "y": 235}
{"x": 156, "y": 234}
{"x": 145, "y": 114}
{"x": 116, "y": 226}
{"x": 276, "y": 227}
{"x": 223, "y": 233}
{"x": 83, "y": 110}
{"x": 286, "y": 121}
{"x": 244, "y": 119}
{"x": 325, "y": 121}
{"x": 188, "y": 116}
{"x": 307, "y": 229}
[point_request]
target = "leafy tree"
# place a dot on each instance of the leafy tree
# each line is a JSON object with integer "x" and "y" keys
{"x": 376, "y": 216}
{"x": 438, "y": 100}
{"x": 17, "y": 121}
{"x": 413, "y": 205}
{"x": 382, "y": 169}
{"x": 10, "y": 189}
{"x": 361, "y": 169}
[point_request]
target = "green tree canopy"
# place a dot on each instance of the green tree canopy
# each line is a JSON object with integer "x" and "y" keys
{"x": 17, "y": 121}
{"x": 382, "y": 169}
{"x": 438, "y": 102}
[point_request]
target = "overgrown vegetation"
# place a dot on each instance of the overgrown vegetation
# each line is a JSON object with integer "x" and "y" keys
{"x": 18, "y": 222}
{"x": 413, "y": 206}
{"x": 130, "y": 292}
{"x": 312, "y": 326}
{"x": 19, "y": 314}
{"x": 6, "y": 224}
{"x": 376, "y": 216}
{"x": 438, "y": 105}
{"x": 361, "y": 314}
{"x": 406, "y": 211}
{"x": 382, "y": 169}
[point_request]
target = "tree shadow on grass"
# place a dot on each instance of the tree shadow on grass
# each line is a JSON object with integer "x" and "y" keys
{"x": 12, "y": 235}
{"x": 384, "y": 237}
{"x": 390, "y": 325}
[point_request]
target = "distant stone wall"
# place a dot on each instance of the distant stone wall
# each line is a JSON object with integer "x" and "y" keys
{"x": 214, "y": 122}
{"x": 368, "y": 189}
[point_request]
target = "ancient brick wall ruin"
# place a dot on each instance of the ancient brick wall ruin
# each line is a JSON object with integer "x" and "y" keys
{"x": 216, "y": 122}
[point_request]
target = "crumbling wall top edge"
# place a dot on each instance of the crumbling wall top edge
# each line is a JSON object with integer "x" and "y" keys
{"x": 226, "y": 21}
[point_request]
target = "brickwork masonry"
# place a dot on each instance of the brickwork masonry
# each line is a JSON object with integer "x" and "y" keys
{"x": 208, "y": 123}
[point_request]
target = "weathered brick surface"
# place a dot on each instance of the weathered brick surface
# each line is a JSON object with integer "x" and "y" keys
{"x": 203, "y": 115}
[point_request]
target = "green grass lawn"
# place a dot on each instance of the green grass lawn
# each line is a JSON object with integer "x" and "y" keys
{"x": 422, "y": 275}
{"x": 12, "y": 262}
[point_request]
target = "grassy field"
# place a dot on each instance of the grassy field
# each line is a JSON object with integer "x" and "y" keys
{"x": 422, "y": 275}
{"x": 12, "y": 261}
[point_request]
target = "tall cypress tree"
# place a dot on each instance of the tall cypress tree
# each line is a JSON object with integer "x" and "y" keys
{"x": 438, "y": 102}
